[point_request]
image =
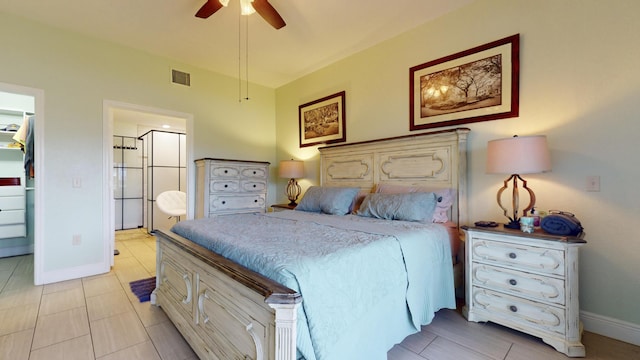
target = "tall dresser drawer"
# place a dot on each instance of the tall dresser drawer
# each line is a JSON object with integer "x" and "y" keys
{"x": 527, "y": 258}
{"x": 253, "y": 186}
{"x": 224, "y": 186}
{"x": 236, "y": 203}
{"x": 518, "y": 283}
{"x": 224, "y": 171}
{"x": 254, "y": 172}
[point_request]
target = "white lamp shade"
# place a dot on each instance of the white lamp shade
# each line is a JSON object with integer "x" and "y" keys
{"x": 518, "y": 155}
{"x": 291, "y": 169}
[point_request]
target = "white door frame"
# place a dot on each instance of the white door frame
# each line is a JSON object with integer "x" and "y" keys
{"x": 109, "y": 203}
{"x": 38, "y": 148}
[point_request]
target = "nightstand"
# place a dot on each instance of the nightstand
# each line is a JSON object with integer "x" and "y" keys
{"x": 282, "y": 207}
{"x": 528, "y": 282}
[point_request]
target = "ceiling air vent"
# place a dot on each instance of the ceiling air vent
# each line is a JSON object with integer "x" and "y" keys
{"x": 179, "y": 77}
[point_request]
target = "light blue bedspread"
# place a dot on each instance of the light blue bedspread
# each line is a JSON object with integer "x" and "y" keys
{"x": 366, "y": 283}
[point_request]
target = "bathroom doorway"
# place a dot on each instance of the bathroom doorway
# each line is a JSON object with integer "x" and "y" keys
{"x": 130, "y": 197}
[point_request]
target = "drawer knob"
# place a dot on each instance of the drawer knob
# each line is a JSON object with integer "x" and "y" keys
{"x": 254, "y": 173}
{"x": 513, "y": 282}
{"x": 226, "y": 185}
{"x": 513, "y": 308}
{"x": 254, "y": 185}
{"x": 255, "y": 201}
{"x": 224, "y": 202}
{"x": 226, "y": 171}
{"x": 513, "y": 255}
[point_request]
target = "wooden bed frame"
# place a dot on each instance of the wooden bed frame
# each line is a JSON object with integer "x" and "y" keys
{"x": 226, "y": 311}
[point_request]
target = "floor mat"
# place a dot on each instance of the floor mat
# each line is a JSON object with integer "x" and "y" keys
{"x": 143, "y": 288}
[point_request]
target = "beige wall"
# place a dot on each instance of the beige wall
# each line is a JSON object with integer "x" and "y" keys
{"x": 579, "y": 85}
{"x": 77, "y": 74}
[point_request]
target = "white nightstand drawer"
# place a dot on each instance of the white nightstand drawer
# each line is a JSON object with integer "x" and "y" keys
{"x": 518, "y": 283}
{"x": 527, "y": 258}
{"x": 518, "y": 312}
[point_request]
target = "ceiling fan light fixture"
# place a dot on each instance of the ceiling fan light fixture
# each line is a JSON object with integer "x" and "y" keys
{"x": 224, "y": 3}
{"x": 245, "y": 7}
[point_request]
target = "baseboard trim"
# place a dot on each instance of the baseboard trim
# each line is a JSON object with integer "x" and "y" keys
{"x": 16, "y": 250}
{"x": 610, "y": 327}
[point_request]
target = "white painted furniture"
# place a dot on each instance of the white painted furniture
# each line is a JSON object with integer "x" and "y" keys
{"x": 226, "y": 311}
{"x": 528, "y": 282}
{"x": 173, "y": 203}
{"x": 230, "y": 186}
{"x": 12, "y": 189}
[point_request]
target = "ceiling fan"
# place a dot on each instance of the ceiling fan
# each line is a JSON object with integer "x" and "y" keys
{"x": 262, "y": 7}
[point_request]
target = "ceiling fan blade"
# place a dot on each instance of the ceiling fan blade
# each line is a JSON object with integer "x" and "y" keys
{"x": 268, "y": 13}
{"x": 209, "y": 8}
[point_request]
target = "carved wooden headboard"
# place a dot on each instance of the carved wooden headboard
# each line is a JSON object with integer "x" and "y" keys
{"x": 436, "y": 159}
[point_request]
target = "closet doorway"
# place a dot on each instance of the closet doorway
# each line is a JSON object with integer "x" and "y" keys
{"x": 131, "y": 198}
{"x": 21, "y": 229}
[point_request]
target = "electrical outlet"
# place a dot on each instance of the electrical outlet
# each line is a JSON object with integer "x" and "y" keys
{"x": 593, "y": 183}
{"x": 76, "y": 240}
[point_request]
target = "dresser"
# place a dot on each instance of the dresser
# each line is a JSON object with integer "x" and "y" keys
{"x": 528, "y": 282}
{"x": 230, "y": 186}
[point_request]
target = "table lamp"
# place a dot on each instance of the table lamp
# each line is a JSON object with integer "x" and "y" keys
{"x": 292, "y": 169}
{"x": 515, "y": 156}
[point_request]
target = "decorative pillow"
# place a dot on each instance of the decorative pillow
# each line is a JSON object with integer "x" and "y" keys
{"x": 408, "y": 207}
{"x": 445, "y": 197}
{"x": 328, "y": 200}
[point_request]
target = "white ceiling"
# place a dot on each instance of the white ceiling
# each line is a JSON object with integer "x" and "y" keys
{"x": 318, "y": 32}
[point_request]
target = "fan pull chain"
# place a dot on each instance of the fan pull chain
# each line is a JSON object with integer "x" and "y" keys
{"x": 246, "y": 54}
{"x": 239, "y": 58}
{"x": 246, "y": 63}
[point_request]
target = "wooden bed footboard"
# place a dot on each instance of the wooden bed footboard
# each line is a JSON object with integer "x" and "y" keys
{"x": 223, "y": 310}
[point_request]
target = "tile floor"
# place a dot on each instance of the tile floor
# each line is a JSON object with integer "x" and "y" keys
{"x": 99, "y": 318}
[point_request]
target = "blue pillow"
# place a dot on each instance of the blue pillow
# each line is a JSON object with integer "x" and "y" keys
{"x": 408, "y": 207}
{"x": 328, "y": 200}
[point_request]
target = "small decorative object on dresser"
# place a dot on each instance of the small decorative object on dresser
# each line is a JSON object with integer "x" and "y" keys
{"x": 230, "y": 186}
{"x": 528, "y": 282}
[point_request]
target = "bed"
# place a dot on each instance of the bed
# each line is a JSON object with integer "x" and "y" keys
{"x": 233, "y": 298}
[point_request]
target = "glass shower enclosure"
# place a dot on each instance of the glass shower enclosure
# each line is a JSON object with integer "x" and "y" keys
{"x": 128, "y": 182}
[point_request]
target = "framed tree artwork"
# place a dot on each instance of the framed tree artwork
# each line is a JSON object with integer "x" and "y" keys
{"x": 474, "y": 85}
{"x": 322, "y": 121}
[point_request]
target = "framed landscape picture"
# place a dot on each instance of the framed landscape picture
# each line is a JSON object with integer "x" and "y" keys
{"x": 474, "y": 85}
{"x": 322, "y": 121}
